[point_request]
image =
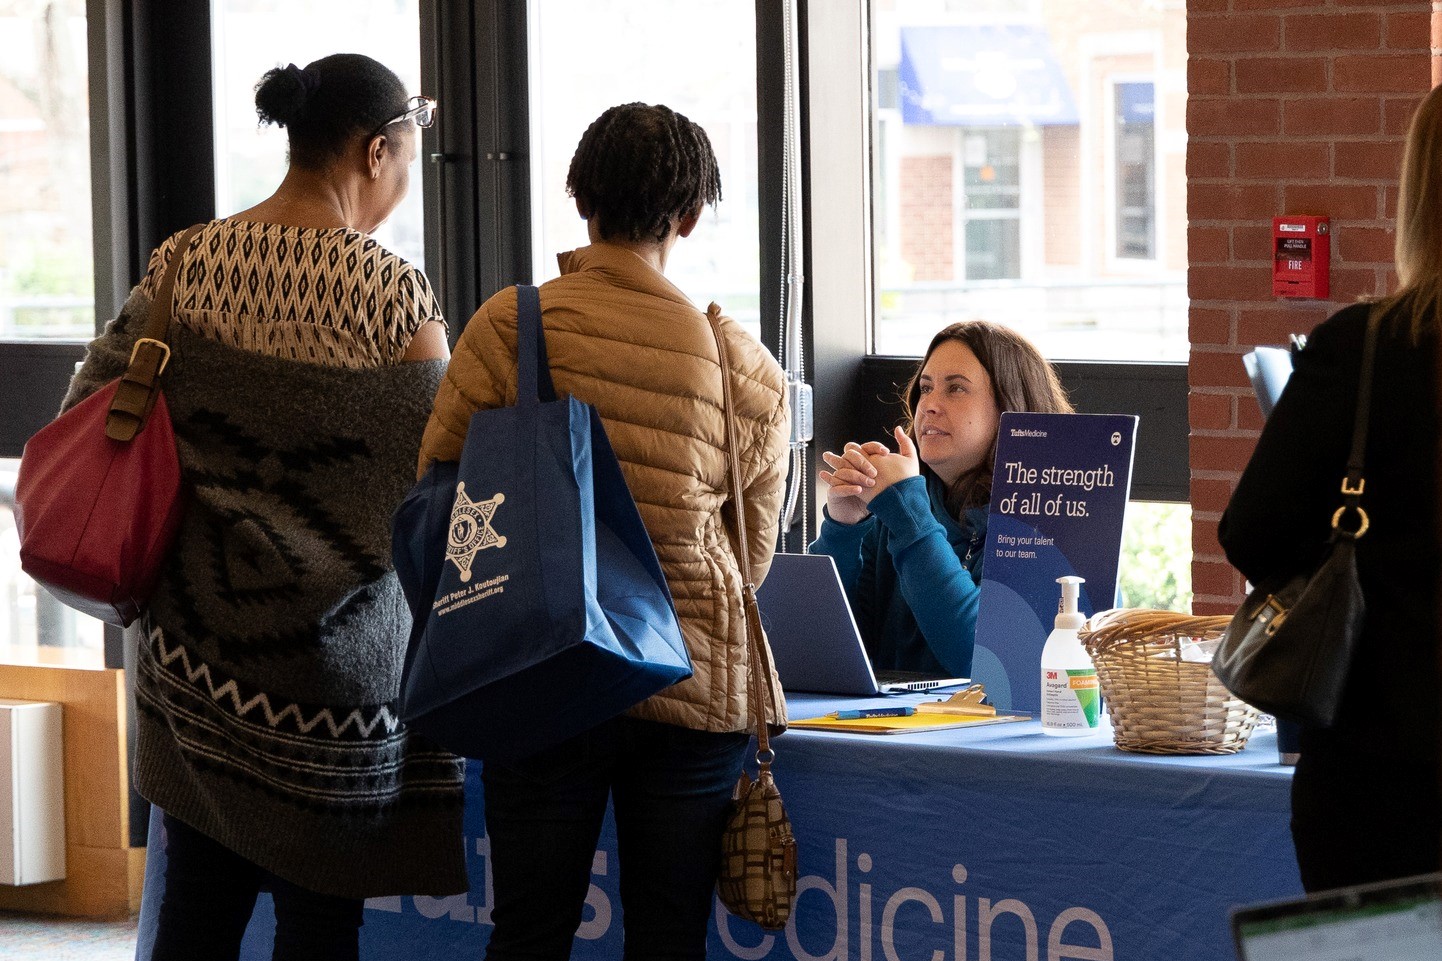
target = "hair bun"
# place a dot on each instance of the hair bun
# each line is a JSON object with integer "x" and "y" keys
{"x": 282, "y": 93}
{"x": 328, "y": 105}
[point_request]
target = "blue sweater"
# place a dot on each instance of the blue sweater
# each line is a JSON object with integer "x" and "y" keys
{"x": 913, "y": 573}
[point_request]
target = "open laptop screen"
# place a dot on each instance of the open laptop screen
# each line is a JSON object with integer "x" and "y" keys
{"x": 814, "y": 639}
{"x": 1395, "y": 921}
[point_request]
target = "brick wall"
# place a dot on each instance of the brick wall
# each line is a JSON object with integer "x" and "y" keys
{"x": 1062, "y": 173}
{"x": 1294, "y": 107}
{"x": 926, "y": 217}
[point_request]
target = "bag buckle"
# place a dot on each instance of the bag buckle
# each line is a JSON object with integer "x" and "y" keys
{"x": 1362, "y": 521}
{"x": 1273, "y": 620}
{"x": 164, "y": 352}
{"x": 1354, "y": 491}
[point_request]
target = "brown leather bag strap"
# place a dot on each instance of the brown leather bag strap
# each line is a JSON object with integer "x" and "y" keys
{"x": 139, "y": 386}
{"x": 758, "y": 672}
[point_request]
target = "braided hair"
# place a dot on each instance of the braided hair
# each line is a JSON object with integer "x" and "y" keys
{"x": 327, "y": 103}
{"x": 639, "y": 169}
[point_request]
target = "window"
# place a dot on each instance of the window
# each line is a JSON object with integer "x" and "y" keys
{"x": 1156, "y": 568}
{"x": 891, "y": 81}
{"x": 991, "y": 204}
{"x": 46, "y": 268}
{"x": 47, "y": 287}
{"x": 1135, "y": 144}
{"x": 696, "y": 57}
{"x": 1028, "y": 168}
{"x": 251, "y": 37}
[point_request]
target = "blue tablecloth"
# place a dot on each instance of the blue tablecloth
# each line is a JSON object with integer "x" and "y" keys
{"x": 978, "y": 844}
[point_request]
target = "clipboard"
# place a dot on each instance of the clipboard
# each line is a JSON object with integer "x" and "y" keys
{"x": 966, "y": 708}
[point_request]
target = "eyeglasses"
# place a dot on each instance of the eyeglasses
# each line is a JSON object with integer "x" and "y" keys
{"x": 420, "y": 109}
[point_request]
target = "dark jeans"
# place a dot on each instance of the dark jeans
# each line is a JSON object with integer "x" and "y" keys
{"x": 209, "y": 895}
{"x": 1359, "y": 816}
{"x": 670, "y": 788}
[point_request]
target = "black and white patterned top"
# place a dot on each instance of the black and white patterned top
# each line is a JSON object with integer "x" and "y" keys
{"x": 331, "y": 295}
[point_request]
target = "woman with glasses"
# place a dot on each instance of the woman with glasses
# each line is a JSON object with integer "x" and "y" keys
{"x": 304, "y": 358}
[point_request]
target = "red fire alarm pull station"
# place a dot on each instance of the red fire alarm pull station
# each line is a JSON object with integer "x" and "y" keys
{"x": 1303, "y": 257}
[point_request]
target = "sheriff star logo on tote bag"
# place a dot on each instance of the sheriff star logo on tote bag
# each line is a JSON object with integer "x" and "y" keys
{"x": 471, "y": 529}
{"x": 573, "y": 613}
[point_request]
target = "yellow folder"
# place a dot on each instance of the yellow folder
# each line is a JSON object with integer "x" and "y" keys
{"x": 966, "y": 708}
{"x": 902, "y": 725}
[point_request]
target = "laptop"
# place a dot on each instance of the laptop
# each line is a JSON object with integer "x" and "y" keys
{"x": 814, "y": 639}
{"x": 1394, "y": 920}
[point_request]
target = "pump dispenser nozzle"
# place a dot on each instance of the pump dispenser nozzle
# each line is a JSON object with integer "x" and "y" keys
{"x": 1068, "y": 616}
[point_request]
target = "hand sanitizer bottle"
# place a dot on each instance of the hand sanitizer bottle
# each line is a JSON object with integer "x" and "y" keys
{"x": 1070, "y": 695}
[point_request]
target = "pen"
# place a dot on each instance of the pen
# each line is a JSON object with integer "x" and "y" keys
{"x": 874, "y": 712}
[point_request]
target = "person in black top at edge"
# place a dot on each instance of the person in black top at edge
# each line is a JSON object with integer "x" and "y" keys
{"x": 1366, "y": 804}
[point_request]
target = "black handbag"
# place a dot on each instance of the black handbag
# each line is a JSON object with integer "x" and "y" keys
{"x": 1289, "y": 647}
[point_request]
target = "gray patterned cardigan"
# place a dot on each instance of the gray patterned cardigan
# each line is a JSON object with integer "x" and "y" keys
{"x": 273, "y": 645}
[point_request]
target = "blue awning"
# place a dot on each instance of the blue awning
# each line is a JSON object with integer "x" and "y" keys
{"x": 987, "y": 75}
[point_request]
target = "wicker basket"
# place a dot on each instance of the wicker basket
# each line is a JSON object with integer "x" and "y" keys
{"x": 1161, "y": 704}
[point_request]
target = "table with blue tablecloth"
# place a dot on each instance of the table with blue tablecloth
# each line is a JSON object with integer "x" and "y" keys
{"x": 987, "y": 843}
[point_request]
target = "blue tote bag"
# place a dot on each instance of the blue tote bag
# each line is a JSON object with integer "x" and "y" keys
{"x": 539, "y": 607}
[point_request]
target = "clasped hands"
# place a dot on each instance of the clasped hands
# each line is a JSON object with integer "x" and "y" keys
{"x": 861, "y": 471}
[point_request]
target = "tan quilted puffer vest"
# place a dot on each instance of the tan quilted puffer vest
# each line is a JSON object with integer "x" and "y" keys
{"x": 624, "y": 339}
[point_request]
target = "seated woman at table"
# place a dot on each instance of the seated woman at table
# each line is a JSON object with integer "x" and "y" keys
{"x": 907, "y": 527}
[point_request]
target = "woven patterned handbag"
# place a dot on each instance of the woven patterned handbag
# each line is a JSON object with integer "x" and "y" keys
{"x": 758, "y": 869}
{"x": 758, "y": 853}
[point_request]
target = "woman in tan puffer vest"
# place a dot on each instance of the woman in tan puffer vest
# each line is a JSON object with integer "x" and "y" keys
{"x": 624, "y": 339}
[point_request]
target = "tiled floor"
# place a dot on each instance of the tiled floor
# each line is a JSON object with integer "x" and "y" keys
{"x": 30, "y": 937}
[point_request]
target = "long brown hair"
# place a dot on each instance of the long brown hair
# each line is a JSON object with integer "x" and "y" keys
{"x": 1418, "y": 251}
{"x": 1021, "y": 380}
